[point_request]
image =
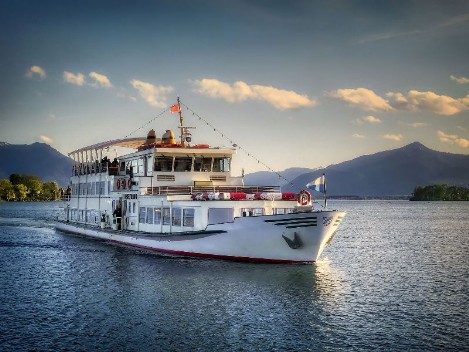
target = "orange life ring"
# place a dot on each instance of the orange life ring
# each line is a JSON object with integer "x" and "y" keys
{"x": 118, "y": 183}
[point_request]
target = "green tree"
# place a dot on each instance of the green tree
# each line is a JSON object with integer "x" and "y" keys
{"x": 7, "y": 191}
{"x": 21, "y": 192}
{"x": 50, "y": 191}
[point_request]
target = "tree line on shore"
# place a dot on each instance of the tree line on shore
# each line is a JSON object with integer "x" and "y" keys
{"x": 21, "y": 187}
{"x": 440, "y": 192}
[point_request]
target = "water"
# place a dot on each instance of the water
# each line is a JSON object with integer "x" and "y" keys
{"x": 395, "y": 278}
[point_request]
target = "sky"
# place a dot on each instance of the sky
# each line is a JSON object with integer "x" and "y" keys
{"x": 290, "y": 83}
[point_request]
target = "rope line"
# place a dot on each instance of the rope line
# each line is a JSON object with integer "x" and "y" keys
{"x": 234, "y": 144}
{"x": 146, "y": 124}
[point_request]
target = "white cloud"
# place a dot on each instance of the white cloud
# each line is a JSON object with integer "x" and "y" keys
{"x": 369, "y": 119}
{"x": 153, "y": 95}
{"x": 363, "y": 98}
{"x": 429, "y": 101}
{"x": 240, "y": 91}
{"x": 417, "y": 124}
{"x": 46, "y": 139}
{"x": 453, "y": 139}
{"x": 100, "y": 80}
{"x": 77, "y": 79}
{"x": 460, "y": 80}
{"x": 393, "y": 137}
{"x": 358, "y": 136}
{"x": 36, "y": 70}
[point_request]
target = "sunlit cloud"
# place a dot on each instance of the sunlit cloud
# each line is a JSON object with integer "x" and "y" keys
{"x": 36, "y": 71}
{"x": 77, "y": 79}
{"x": 363, "y": 98}
{"x": 453, "y": 139}
{"x": 460, "y": 80}
{"x": 367, "y": 119}
{"x": 393, "y": 137}
{"x": 240, "y": 91}
{"x": 358, "y": 136}
{"x": 429, "y": 101}
{"x": 100, "y": 80}
{"x": 46, "y": 139}
{"x": 417, "y": 124}
{"x": 153, "y": 95}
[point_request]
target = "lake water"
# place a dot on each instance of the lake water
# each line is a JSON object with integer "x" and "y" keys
{"x": 396, "y": 277}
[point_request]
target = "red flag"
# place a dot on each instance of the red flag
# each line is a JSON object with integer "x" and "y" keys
{"x": 175, "y": 108}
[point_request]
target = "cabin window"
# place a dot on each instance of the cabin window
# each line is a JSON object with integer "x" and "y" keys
{"x": 221, "y": 164}
{"x": 149, "y": 216}
{"x": 142, "y": 215}
{"x": 220, "y": 215}
{"x": 166, "y": 216}
{"x": 188, "y": 217}
{"x": 182, "y": 163}
{"x": 202, "y": 164}
{"x": 164, "y": 163}
{"x": 176, "y": 221}
{"x": 157, "y": 216}
{"x": 252, "y": 211}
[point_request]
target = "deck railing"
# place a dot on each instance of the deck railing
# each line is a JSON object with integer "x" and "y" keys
{"x": 163, "y": 190}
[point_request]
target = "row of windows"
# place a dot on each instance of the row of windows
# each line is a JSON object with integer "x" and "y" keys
{"x": 91, "y": 188}
{"x": 89, "y": 216}
{"x": 186, "y": 163}
{"x": 158, "y": 216}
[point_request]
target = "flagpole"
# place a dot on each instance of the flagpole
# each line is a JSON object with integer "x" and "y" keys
{"x": 181, "y": 122}
{"x": 325, "y": 192}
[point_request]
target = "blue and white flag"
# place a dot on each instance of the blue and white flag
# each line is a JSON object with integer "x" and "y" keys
{"x": 318, "y": 184}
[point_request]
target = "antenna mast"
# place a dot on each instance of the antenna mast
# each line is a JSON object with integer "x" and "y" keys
{"x": 181, "y": 123}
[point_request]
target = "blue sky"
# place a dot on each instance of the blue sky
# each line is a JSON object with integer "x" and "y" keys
{"x": 295, "y": 83}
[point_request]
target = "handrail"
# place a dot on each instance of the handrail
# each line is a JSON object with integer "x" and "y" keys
{"x": 173, "y": 190}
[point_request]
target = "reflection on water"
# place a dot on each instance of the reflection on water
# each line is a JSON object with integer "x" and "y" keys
{"x": 394, "y": 278}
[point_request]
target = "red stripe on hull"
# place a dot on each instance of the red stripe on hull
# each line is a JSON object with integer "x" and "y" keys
{"x": 215, "y": 256}
{"x": 200, "y": 255}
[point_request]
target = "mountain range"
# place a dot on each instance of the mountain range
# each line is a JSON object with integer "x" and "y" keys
{"x": 37, "y": 159}
{"x": 392, "y": 172}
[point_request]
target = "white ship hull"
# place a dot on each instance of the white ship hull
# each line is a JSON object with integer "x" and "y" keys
{"x": 289, "y": 238}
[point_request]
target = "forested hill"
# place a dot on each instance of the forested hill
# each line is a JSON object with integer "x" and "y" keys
{"x": 38, "y": 159}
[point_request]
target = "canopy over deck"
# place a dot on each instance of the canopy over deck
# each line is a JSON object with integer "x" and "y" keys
{"x": 133, "y": 143}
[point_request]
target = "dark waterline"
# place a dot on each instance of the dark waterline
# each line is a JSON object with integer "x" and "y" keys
{"x": 395, "y": 278}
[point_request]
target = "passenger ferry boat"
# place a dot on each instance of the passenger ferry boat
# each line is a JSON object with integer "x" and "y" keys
{"x": 178, "y": 198}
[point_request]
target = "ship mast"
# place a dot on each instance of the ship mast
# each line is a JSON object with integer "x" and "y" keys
{"x": 181, "y": 123}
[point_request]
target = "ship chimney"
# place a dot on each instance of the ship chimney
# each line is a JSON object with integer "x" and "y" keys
{"x": 151, "y": 137}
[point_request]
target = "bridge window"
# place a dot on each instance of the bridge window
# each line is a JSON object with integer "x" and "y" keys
{"x": 176, "y": 216}
{"x": 202, "y": 164}
{"x": 182, "y": 163}
{"x": 164, "y": 163}
{"x": 221, "y": 164}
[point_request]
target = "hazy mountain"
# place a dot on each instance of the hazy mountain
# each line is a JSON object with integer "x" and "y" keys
{"x": 38, "y": 159}
{"x": 392, "y": 172}
{"x": 272, "y": 179}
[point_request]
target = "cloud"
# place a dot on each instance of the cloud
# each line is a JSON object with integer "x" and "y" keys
{"x": 46, "y": 139}
{"x": 36, "y": 70}
{"x": 240, "y": 91}
{"x": 460, "y": 80}
{"x": 393, "y": 137}
{"x": 363, "y": 98}
{"x": 358, "y": 136}
{"x": 100, "y": 80}
{"x": 429, "y": 101}
{"x": 453, "y": 139}
{"x": 153, "y": 95}
{"x": 77, "y": 79}
{"x": 417, "y": 124}
{"x": 369, "y": 119}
